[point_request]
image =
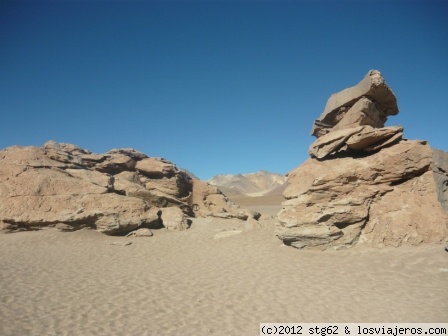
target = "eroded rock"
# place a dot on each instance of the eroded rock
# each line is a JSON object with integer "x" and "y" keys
{"x": 373, "y": 87}
{"x": 67, "y": 187}
{"x": 333, "y": 203}
{"x": 364, "y": 183}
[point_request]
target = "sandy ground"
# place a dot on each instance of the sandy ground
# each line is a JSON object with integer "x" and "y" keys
{"x": 267, "y": 205}
{"x": 194, "y": 283}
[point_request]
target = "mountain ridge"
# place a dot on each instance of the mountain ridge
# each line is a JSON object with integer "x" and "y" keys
{"x": 249, "y": 184}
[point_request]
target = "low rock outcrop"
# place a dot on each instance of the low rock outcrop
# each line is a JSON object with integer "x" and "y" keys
{"x": 364, "y": 183}
{"x": 65, "y": 186}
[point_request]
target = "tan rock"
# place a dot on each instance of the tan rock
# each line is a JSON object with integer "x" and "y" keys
{"x": 207, "y": 200}
{"x": 131, "y": 152}
{"x": 47, "y": 182}
{"x": 332, "y": 142}
{"x": 174, "y": 219}
{"x": 408, "y": 215}
{"x": 394, "y": 139}
{"x": 363, "y": 112}
{"x": 67, "y": 187}
{"x": 143, "y": 232}
{"x": 370, "y": 136}
{"x": 153, "y": 197}
{"x": 107, "y": 213}
{"x": 440, "y": 169}
{"x": 180, "y": 185}
{"x": 128, "y": 176}
{"x": 372, "y": 86}
{"x": 115, "y": 164}
{"x": 65, "y": 153}
{"x": 92, "y": 176}
{"x": 16, "y": 159}
{"x": 333, "y": 203}
{"x": 156, "y": 167}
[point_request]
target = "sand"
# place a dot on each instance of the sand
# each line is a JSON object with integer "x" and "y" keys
{"x": 193, "y": 283}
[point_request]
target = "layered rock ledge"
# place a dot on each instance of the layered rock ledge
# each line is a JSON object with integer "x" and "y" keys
{"x": 365, "y": 183}
{"x": 65, "y": 186}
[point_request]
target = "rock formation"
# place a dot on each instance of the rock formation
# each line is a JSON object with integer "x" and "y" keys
{"x": 364, "y": 183}
{"x": 64, "y": 186}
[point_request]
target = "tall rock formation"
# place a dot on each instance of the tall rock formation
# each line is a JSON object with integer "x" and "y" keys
{"x": 65, "y": 186}
{"x": 364, "y": 183}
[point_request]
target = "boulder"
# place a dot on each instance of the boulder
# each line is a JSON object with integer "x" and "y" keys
{"x": 107, "y": 213}
{"x": 156, "y": 168}
{"x": 332, "y": 142}
{"x": 67, "y": 187}
{"x": 144, "y": 232}
{"x": 116, "y": 163}
{"x": 370, "y": 136}
{"x": 363, "y": 112}
{"x": 131, "y": 152}
{"x": 207, "y": 200}
{"x": 382, "y": 199}
{"x": 440, "y": 170}
{"x": 373, "y": 87}
{"x": 360, "y": 138}
{"x": 407, "y": 215}
{"x": 174, "y": 219}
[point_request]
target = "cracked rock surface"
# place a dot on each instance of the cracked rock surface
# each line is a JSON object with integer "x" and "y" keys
{"x": 68, "y": 187}
{"x": 364, "y": 183}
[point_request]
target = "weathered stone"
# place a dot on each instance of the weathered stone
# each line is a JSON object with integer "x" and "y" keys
{"x": 332, "y": 142}
{"x": 408, "y": 215}
{"x": 131, "y": 152}
{"x": 207, "y": 200}
{"x": 174, "y": 219}
{"x": 15, "y": 159}
{"x": 65, "y": 153}
{"x": 107, "y": 213}
{"x": 67, "y": 187}
{"x": 340, "y": 202}
{"x": 363, "y": 112}
{"x": 394, "y": 139}
{"x": 143, "y": 232}
{"x": 153, "y": 197}
{"x": 116, "y": 164}
{"x": 370, "y": 136}
{"x": 179, "y": 185}
{"x": 92, "y": 176}
{"x": 47, "y": 182}
{"x": 128, "y": 176}
{"x": 440, "y": 169}
{"x": 372, "y": 86}
{"x": 156, "y": 168}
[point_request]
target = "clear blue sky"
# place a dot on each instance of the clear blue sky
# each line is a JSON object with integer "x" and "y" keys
{"x": 214, "y": 86}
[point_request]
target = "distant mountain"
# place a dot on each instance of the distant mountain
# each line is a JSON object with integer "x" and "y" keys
{"x": 253, "y": 184}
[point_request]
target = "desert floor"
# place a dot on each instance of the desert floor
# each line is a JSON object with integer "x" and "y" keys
{"x": 208, "y": 280}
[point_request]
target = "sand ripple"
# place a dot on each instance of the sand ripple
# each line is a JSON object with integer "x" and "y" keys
{"x": 189, "y": 283}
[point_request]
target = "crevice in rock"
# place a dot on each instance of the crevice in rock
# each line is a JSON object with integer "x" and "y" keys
{"x": 157, "y": 175}
{"x": 408, "y": 177}
{"x": 119, "y": 192}
{"x": 324, "y": 218}
{"x": 341, "y": 226}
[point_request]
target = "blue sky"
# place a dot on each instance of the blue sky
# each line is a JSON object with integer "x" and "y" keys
{"x": 215, "y": 86}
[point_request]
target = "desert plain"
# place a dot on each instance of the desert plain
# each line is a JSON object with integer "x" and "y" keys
{"x": 219, "y": 277}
